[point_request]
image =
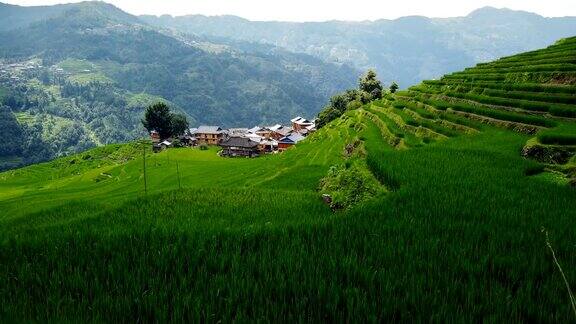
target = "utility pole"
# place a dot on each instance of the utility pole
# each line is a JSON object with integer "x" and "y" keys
{"x": 178, "y": 173}
{"x": 144, "y": 164}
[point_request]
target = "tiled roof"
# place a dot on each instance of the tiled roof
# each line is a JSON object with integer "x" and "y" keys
{"x": 237, "y": 131}
{"x": 239, "y": 142}
{"x": 292, "y": 138}
{"x": 209, "y": 130}
{"x": 275, "y": 127}
{"x": 254, "y": 129}
{"x": 284, "y": 131}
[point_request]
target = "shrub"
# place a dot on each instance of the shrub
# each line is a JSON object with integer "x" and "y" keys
{"x": 565, "y": 134}
{"x": 349, "y": 184}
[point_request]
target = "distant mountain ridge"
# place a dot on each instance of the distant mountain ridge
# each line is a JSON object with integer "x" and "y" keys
{"x": 74, "y": 76}
{"x": 14, "y": 17}
{"x": 407, "y": 50}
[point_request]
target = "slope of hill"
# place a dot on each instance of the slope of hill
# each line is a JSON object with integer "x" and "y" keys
{"x": 91, "y": 69}
{"x": 407, "y": 50}
{"x": 532, "y": 93}
{"x": 458, "y": 232}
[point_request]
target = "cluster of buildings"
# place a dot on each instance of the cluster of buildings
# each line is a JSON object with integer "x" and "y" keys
{"x": 243, "y": 142}
{"x": 15, "y": 71}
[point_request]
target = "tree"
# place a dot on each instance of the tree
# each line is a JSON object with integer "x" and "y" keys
{"x": 369, "y": 83}
{"x": 376, "y": 94}
{"x": 393, "y": 87}
{"x": 158, "y": 118}
{"x": 179, "y": 124}
{"x": 339, "y": 103}
{"x": 11, "y": 133}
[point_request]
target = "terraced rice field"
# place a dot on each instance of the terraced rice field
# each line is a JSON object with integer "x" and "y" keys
{"x": 459, "y": 234}
{"x": 532, "y": 93}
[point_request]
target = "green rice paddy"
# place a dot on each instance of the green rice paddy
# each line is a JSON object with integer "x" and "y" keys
{"x": 458, "y": 234}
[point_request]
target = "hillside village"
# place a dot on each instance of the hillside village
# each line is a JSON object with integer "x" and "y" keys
{"x": 241, "y": 142}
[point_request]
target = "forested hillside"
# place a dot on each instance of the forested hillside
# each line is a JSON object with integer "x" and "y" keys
{"x": 81, "y": 75}
{"x": 407, "y": 50}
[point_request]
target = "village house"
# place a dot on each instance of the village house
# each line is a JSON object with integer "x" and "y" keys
{"x": 237, "y": 131}
{"x": 239, "y": 146}
{"x": 279, "y": 131}
{"x": 288, "y": 141}
{"x": 254, "y": 137}
{"x": 300, "y": 123}
{"x": 188, "y": 139}
{"x": 311, "y": 128}
{"x": 157, "y": 147}
{"x": 268, "y": 146}
{"x": 155, "y": 136}
{"x": 240, "y": 141}
{"x": 263, "y": 132}
{"x": 211, "y": 135}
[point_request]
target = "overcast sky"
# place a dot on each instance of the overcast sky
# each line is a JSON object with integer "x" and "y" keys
{"x": 320, "y": 10}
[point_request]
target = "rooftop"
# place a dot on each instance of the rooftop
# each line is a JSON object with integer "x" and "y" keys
{"x": 239, "y": 142}
{"x": 209, "y": 130}
{"x": 291, "y": 139}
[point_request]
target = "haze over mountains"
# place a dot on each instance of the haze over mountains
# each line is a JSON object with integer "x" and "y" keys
{"x": 407, "y": 50}
{"x": 77, "y": 75}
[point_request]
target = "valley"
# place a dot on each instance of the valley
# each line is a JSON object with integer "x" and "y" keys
{"x": 83, "y": 74}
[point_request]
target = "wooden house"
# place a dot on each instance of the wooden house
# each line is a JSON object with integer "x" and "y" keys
{"x": 239, "y": 146}
{"x": 157, "y": 147}
{"x": 211, "y": 135}
{"x": 263, "y": 132}
{"x": 289, "y": 141}
{"x": 279, "y": 131}
{"x": 237, "y": 132}
{"x": 268, "y": 146}
{"x": 188, "y": 140}
{"x": 300, "y": 123}
{"x": 155, "y": 136}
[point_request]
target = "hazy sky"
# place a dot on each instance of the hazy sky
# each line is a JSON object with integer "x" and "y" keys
{"x": 319, "y": 10}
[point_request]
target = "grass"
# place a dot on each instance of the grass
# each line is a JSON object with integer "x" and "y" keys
{"x": 73, "y": 177}
{"x": 530, "y": 96}
{"x": 74, "y": 66}
{"x": 527, "y": 87}
{"x": 456, "y": 237}
{"x": 562, "y": 135}
{"x": 556, "y": 110}
{"x": 24, "y": 118}
{"x": 86, "y": 78}
{"x": 215, "y": 251}
{"x": 488, "y": 112}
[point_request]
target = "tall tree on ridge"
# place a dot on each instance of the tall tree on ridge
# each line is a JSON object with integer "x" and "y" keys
{"x": 393, "y": 87}
{"x": 370, "y": 84}
{"x": 158, "y": 118}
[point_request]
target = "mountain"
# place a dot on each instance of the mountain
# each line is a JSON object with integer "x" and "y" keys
{"x": 14, "y": 17}
{"x": 434, "y": 213}
{"x": 79, "y": 75}
{"x": 407, "y": 50}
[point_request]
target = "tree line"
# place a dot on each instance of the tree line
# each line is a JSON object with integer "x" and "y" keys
{"x": 369, "y": 88}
